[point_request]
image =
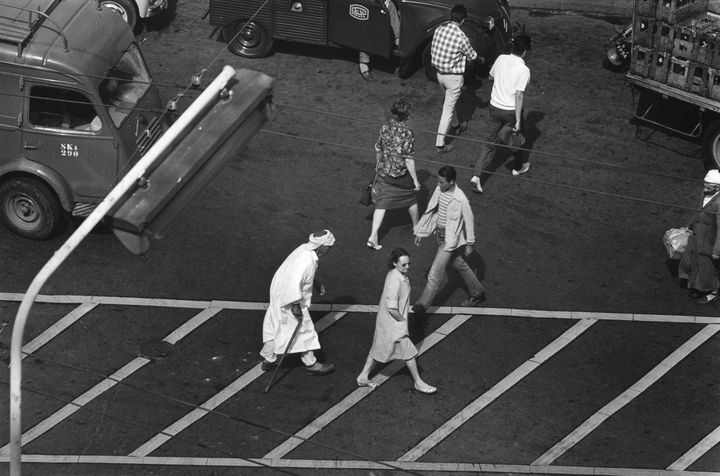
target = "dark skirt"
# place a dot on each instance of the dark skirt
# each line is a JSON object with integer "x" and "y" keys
{"x": 395, "y": 192}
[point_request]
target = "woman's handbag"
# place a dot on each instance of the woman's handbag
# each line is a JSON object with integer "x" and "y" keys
{"x": 368, "y": 196}
{"x": 514, "y": 139}
{"x": 675, "y": 241}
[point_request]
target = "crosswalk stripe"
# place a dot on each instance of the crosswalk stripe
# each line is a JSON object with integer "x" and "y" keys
{"x": 498, "y": 389}
{"x": 218, "y": 399}
{"x": 52, "y": 331}
{"x": 354, "y": 397}
{"x": 694, "y": 453}
{"x": 368, "y": 308}
{"x": 627, "y": 396}
{"x": 108, "y": 383}
{"x": 348, "y": 465}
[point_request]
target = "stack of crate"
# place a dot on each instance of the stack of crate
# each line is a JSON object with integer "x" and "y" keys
{"x": 677, "y": 42}
{"x": 654, "y": 53}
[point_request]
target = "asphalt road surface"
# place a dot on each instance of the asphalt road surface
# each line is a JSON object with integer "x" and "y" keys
{"x": 587, "y": 358}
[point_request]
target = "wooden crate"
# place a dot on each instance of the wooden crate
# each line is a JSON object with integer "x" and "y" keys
{"x": 697, "y": 78}
{"x": 678, "y": 71}
{"x": 641, "y": 60}
{"x": 685, "y": 40}
{"x": 644, "y": 29}
{"x": 659, "y": 66}
{"x": 664, "y": 38}
{"x": 674, "y": 11}
{"x": 646, "y": 8}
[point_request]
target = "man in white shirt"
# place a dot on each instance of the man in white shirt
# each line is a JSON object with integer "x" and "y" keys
{"x": 511, "y": 76}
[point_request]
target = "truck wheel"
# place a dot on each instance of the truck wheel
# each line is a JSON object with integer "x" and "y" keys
{"x": 124, "y": 8}
{"x": 247, "y": 38}
{"x": 711, "y": 146}
{"x": 28, "y": 208}
{"x": 430, "y": 70}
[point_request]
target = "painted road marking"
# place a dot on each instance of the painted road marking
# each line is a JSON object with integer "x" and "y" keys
{"x": 218, "y": 399}
{"x": 365, "y": 308}
{"x": 52, "y": 331}
{"x": 329, "y": 465}
{"x": 108, "y": 383}
{"x": 694, "y": 453}
{"x": 354, "y": 397}
{"x": 496, "y": 391}
{"x": 627, "y": 396}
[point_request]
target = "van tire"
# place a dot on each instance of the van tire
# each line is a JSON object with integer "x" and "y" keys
{"x": 711, "y": 145}
{"x": 29, "y": 208}
{"x": 247, "y": 38}
{"x": 124, "y": 8}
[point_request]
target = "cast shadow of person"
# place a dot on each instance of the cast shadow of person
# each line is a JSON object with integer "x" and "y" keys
{"x": 531, "y": 132}
{"x": 419, "y": 323}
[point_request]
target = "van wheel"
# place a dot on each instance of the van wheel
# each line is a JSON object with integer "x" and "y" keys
{"x": 28, "y": 208}
{"x": 124, "y": 8}
{"x": 711, "y": 146}
{"x": 430, "y": 70}
{"x": 247, "y": 38}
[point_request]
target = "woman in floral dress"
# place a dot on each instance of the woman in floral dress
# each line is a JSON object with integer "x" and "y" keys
{"x": 396, "y": 184}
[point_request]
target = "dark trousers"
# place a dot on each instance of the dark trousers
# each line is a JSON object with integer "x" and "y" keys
{"x": 497, "y": 118}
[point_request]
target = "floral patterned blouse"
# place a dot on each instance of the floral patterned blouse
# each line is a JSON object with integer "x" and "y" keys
{"x": 395, "y": 143}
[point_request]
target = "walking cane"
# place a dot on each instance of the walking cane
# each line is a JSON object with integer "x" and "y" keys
{"x": 287, "y": 351}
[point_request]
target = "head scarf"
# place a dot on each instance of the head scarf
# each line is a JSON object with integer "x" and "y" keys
{"x": 713, "y": 177}
{"x": 320, "y": 238}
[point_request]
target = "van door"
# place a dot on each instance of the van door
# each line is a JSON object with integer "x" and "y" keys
{"x": 10, "y": 116}
{"x": 63, "y": 130}
{"x": 360, "y": 24}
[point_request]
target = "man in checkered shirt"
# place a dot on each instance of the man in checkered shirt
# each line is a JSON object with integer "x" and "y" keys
{"x": 449, "y": 51}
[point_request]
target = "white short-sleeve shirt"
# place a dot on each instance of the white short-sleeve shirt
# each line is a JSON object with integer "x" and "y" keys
{"x": 510, "y": 75}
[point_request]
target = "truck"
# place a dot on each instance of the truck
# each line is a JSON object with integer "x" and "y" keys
{"x": 78, "y": 107}
{"x": 250, "y": 26}
{"x": 675, "y": 66}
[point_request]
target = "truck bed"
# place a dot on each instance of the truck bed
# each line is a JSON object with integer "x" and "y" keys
{"x": 662, "y": 88}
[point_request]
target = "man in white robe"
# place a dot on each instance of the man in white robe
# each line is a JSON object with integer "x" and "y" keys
{"x": 290, "y": 295}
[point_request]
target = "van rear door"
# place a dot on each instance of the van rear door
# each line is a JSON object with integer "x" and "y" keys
{"x": 360, "y": 24}
{"x": 63, "y": 130}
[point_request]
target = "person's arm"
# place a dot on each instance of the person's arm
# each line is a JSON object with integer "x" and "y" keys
{"x": 716, "y": 248}
{"x": 469, "y": 222}
{"x": 392, "y": 296}
{"x": 410, "y": 163}
{"x": 519, "y": 96}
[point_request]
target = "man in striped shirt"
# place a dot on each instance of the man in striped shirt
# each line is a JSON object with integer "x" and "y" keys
{"x": 450, "y": 218}
{"x": 449, "y": 50}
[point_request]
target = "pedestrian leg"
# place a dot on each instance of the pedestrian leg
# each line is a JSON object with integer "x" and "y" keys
{"x": 474, "y": 286}
{"x": 377, "y": 220}
{"x": 436, "y": 278}
{"x": 363, "y": 380}
{"x": 451, "y": 85}
{"x": 413, "y": 211}
{"x": 420, "y": 384}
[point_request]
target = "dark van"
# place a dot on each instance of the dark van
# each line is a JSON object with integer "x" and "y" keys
{"x": 78, "y": 108}
{"x": 250, "y": 26}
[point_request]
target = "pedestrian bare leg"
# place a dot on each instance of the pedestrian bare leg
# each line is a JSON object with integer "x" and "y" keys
{"x": 420, "y": 384}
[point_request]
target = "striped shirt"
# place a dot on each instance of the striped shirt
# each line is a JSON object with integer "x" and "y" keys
{"x": 443, "y": 200}
{"x": 450, "y": 48}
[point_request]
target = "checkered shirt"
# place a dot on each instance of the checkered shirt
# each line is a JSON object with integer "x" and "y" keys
{"x": 450, "y": 47}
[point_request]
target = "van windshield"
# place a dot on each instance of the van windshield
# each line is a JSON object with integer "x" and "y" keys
{"x": 125, "y": 84}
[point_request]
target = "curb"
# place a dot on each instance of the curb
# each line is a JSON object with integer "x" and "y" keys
{"x": 617, "y": 8}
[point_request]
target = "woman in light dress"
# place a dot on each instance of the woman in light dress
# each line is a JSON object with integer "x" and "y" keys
{"x": 391, "y": 340}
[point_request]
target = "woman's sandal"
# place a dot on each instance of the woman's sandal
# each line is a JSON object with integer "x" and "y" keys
{"x": 427, "y": 391}
{"x": 371, "y": 244}
{"x": 366, "y": 383}
{"x": 708, "y": 298}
